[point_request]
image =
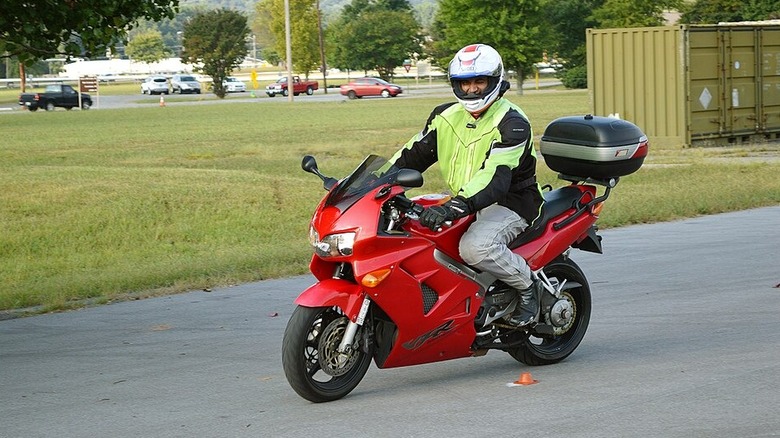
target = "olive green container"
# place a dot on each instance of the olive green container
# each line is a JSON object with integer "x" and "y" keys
{"x": 697, "y": 85}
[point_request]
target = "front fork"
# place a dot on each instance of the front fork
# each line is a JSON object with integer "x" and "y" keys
{"x": 352, "y": 327}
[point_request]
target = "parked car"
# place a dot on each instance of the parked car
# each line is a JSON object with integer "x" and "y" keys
{"x": 299, "y": 86}
{"x": 185, "y": 84}
{"x": 55, "y": 96}
{"x": 155, "y": 85}
{"x": 370, "y": 87}
{"x": 233, "y": 85}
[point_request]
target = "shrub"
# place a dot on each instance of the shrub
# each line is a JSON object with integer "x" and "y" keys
{"x": 575, "y": 77}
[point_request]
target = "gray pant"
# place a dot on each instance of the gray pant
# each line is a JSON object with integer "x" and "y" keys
{"x": 484, "y": 246}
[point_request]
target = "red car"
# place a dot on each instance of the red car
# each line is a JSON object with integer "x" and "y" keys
{"x": 370, "y": 87}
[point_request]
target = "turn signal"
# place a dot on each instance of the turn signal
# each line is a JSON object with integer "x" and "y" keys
{"x": 372, "y": 279}
{"x": 596, "y": 210}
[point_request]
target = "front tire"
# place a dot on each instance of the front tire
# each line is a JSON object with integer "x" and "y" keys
{"x": 546, "y": 350}
{"x": 312, "y": 365}
{"x": 49, "y": 106}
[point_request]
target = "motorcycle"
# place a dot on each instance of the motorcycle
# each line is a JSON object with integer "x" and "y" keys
{"x": 393, "y": 291}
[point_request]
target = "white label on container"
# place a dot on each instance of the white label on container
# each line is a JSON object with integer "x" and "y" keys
{"x": 705, "y": 98}
{"x": 736, "y": 65}
{"x": 734, "y": 97}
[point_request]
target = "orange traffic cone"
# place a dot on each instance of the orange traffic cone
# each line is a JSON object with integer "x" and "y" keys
{"x": 525, "y": 379}
{"x": 162, "y": 100}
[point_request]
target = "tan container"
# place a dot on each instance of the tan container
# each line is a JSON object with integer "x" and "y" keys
{"x": 689, "y": 85}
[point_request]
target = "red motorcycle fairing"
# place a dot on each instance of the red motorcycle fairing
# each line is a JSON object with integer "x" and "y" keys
{"x": 551, "y": 243}
{"x": 425, "y": 301}
{"x": 333, "y": 292}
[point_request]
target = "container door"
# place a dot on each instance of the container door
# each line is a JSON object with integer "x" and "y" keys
{"x": 740, "y": 81}
{"x": 770, "y": 74}
{"x": 705, "y": 92}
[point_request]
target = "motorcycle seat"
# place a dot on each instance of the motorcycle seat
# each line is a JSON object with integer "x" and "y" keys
{"x": 556, "y": 202}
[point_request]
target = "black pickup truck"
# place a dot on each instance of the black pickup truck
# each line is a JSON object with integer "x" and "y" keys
{"x": 63, "y": 96}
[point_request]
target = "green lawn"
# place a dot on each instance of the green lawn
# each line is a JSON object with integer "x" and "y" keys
{"x": 106, "y": 204}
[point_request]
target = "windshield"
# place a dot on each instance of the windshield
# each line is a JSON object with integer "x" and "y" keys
{"x": 373, "y": 172}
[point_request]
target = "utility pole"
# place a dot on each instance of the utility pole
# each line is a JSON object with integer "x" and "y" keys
{"x": 288, "y": 43}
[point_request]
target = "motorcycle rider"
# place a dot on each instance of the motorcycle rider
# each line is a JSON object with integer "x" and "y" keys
{"x": 484, "y": 146}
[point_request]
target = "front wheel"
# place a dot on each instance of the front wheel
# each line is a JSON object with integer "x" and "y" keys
{"x": 569, "y": 330}
{"x": 311, "y": 362}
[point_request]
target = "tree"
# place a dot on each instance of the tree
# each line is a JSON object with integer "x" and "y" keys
{"x": 716, "y": 11}
{"x": 304, "y": 34}
{"x": 36, "y": 29}
{"x": 565, "y": 26}
{"x": 217, "y": 40}
{"x": 374, "y": 35}
{"x": 264, "y": 37}
{"x": 170, "y": 28}
{"x": 509, "y": 26}
{"x": 147, "y": 47}
{"x": 633, "y": 13}
{"x": 377, "y": 40}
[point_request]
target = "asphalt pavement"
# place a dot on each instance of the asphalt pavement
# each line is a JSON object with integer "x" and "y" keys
{"x": 684, "y": 341}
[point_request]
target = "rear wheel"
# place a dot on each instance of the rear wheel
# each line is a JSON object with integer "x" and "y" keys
{"x": 311, "y": 362}
{"x": 309, "y": 91}
{"x": 49, "y": 106}
{"x": 568, "y": 332}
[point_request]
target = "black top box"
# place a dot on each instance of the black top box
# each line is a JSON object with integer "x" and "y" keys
{"x": 593, "y": 146}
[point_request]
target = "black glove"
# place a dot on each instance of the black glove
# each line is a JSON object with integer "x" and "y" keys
{"x": 434, "y": 217}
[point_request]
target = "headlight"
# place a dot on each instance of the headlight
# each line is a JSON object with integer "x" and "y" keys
{"x": 332, "y": 245}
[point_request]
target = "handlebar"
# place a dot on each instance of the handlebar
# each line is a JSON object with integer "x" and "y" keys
{"x": 414, "y": 210}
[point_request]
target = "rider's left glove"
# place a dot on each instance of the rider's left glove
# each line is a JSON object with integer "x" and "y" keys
{"x": 434, "y": 217}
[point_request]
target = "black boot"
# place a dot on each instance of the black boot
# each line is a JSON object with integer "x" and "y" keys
{"x": 527, "y": 311}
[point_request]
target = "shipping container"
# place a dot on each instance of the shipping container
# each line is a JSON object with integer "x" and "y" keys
{"x": 689, "y": 85}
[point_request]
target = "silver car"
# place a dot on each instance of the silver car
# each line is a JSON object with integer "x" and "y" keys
{"x": 185, "y": 84}
{"x": 155, "y": 85}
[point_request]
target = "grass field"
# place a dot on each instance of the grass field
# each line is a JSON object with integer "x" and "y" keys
{"x": 104, "y": 205}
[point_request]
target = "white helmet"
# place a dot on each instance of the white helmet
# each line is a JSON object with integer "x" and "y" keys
{"x": 473, "y": 61}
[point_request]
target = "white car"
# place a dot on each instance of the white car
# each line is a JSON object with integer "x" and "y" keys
{"x": 155, "y": 85}
{"x": 233, "y": 85}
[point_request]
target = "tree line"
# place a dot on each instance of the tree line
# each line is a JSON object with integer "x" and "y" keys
{"x": 362, "y": 35}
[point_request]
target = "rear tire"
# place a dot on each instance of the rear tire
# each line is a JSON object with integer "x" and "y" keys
{"x": 550, "y": 350}
{"x": 309, "y": 91}
{"x": 49, "y": 106}
{"x": 313, "y": 367}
